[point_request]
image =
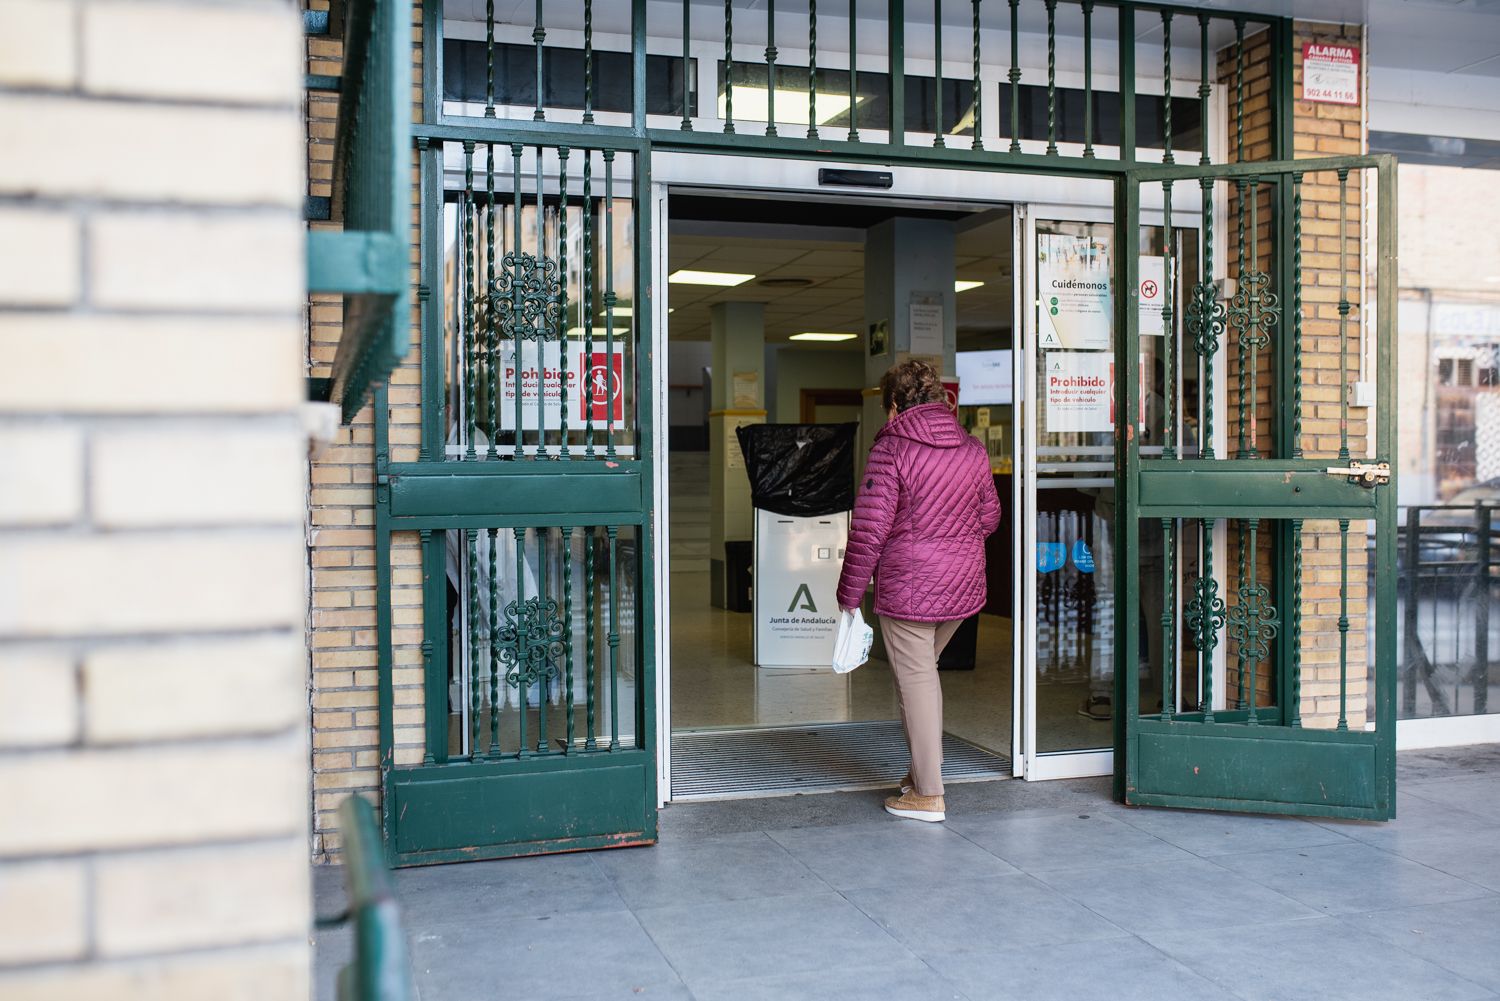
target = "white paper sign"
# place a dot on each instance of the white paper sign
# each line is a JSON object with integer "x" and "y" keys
{"x": 605, "y": 386}
{"x": 1330, "y": 73}
{"x": 1074, "y": 292}
{"x": 926, "y": 328}
{"x": 1079, "y": 391}
{"x": 1153, "y": 294}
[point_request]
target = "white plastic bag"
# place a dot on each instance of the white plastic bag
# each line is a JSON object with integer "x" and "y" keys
{"x": 852, "y": 647}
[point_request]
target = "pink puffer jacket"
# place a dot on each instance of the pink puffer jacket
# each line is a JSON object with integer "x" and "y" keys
{"x": 925, "y": 505}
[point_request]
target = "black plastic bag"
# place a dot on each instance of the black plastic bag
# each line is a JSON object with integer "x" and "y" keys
{"x": 800, "y": 470}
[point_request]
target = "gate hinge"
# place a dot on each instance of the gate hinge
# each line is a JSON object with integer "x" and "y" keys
{"x": 1366, "y": 474}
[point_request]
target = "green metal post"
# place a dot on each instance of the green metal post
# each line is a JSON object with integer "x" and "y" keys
{"x": 896, "y": 49}
{"x": 1127, "y": 85}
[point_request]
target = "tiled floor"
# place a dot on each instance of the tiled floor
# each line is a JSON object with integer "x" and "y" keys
{"x": 1031, "y": 891}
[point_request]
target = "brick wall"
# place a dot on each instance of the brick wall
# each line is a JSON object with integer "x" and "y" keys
{"x": 153, "y": 740}
{"x": 1318, "y": 130}
{"x": 341, "y": 519}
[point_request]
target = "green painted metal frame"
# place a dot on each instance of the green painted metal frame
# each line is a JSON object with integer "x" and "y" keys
{"x": 431, "y": 496}
{"x": 1269, "y": 767}
{"x": 380, "y": 969}
{"x": 367, "y": 261}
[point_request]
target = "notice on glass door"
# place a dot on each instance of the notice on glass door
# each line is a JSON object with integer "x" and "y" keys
{"x": 1079, "y": 388}
{"x": 1153, "y": 297}
{"x": 1074, "y": 292}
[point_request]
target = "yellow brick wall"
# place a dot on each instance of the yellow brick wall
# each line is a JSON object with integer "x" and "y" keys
{"x": 1318, "y": 130}
{"x": 341, "y": 520}
{"x": 153, "y": 742}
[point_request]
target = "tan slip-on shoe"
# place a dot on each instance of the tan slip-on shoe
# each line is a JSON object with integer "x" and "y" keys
{"x": 907, "y": 783}
{"x": 914, "y": 807}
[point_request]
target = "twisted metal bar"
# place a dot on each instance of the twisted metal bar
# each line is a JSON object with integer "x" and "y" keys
{"x": 609, "y": 302}
{"x": 1166, "y": 77}
{"x": 613, "y": 636}
{"x": 469, "y": 340}
{"x": 1297, "y": 316}
{"x": 812, "y": 69}
{"x": 588, "y": 303}
{"x": 523, "y": 690}
{"x": 771, "y": 68}
{"x": 1343, "y": 723}
{"x": 588, "y": 62}
{"x": 1239, "y": 86}
{"x": 1296, "y": 658}
{"x": 1205, "y": 89}
{"x": 538, "y": 35}
{"x": 1245, "y": 382}
{"x": 489, "y": 58}
{"x": 1168, "y": 617}
{"x": 1088, "y": 78}
{"x": 1344, "y": 308}
{"x": 562, "y": 266}
{"x": 1051, "y": 77}
{"x": 542, "y": 332}
{"x": 687, "y": 123}
{"x": 1168, "y": 327}
{"x": 937, "y": 73}
{"x": 590, "y": 616}
{"x": 516, "y": 150}
{"x": 729, "y": 68}
{"x": 1015, "y": 77}
{"x": 853, "y": 71}
{"x": 494, "y": 644}
{"x": 492, "y": 327}
{"x": 567, "y": 679}
{"x": 978, "y": 90}
{"x": 476, "y": 680}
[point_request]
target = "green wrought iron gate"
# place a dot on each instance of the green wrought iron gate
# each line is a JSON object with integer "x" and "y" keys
{"x": 1275, "y": 580}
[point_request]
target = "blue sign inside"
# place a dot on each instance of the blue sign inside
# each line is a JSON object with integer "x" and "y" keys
{"x": 1050, "y": 556}
{"x": 1082, "y": 558}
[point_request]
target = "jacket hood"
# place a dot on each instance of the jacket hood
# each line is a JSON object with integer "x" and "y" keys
{"x": 931, "y": 424}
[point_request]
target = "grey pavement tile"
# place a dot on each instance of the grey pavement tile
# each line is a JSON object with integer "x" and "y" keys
{"x": 1124, "y": 969}
{"x": 728, "y": 867}
{"x": 909, "y": 980}
{"x": 1064, "y": 841}
{"x": 640, "y": 992}
{"x": 1204, "y": 833}
{"x": 1472, "y": 795}
{"x": 1416, "y": 768}
{"x": 1343, "y": 879}
{"x": 738, "y": 939}
{"x": 541, "y": 884}
{"x": 332, "y": 948}
{"x": 1415, "y": 819}
{"x": 909, "y": 854}
{"x": 1320, "y": 958}
{"x": 330, "y": 896}
{"x": 1472, "y": 855}
{"x": 537, "y": 958}
{"x": 1462, "y": 937}
{"x": 981, "y": 915}
{"x": 1175, "y": 896}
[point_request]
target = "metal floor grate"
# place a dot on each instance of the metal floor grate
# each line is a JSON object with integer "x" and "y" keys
{"x": 818, "y": 758}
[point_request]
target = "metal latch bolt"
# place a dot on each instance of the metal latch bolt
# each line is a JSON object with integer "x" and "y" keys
{"x": 1366, "y": 474}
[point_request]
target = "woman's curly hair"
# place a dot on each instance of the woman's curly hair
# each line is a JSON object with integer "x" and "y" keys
{"x": 910, "y": 384}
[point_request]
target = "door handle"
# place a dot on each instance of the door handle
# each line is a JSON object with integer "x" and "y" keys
{"x": 1366, "y": 474}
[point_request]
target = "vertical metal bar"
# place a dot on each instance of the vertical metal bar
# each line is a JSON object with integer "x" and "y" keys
{"x": 609, "y": 303}
{"x": 489, "y": 58}
{"x": 540, "y": 333}
{"x": 538, "y": 34}
{"x": 588, "y": 304}
{"x": 1088, "y": 79}
{"x": 1166, "y": 84}
{"x": 523, "y": 691}
{"x": 1205, "y": 89}
{"x": 432, "y": 302}
{"x": 1253, "y": 627}
{"x": 1014, "y": 76}
{"x": 590, "y": 627}
{"x": 468, "y": 342}
{"x": 937, "y": 73}
{"x": 1410, "y": 622}
{"x": 613, "y": 636}
{"x": 812, "y": 69}
{"x": 1126, "y": 16}
{"x": 1343, "y": 624}
{"x": 853, "y": 71}
{"x": 1344, "y": 308}
{"x": 978, "y": 90}
{"x": 494, "y": 642}
{"x": 1241, "y": 645}
{"x": 567, "y": 673}
{"x": 687, "y": 123}
{"x": 476, "y": 679}
{"x": 771, "y": 67}
{"x": 434, "y": 668}
{"x": 1239, "y": 90}
{"x": 729, "y": 68}
{"x": 1206, "y": 308}
{"x": 1295, "y": 660}
{"x": 1051, "y": 77}
{"x": 1297, "y": 315}
{"x": 492, "y": 325}
{"x": 562, "y": 270}
{"x": 1207, "y": 636}
{"x": 588, "y": 62}
{"x": 1241, "y": 341}
{"x": 543, "y": 600}
{"x": 1168, "y": 326}
{"x": 1253, "y": 319}
{"x": 896, "y": 57}
{"x": 518, "y": 357}
{"x": 1482, "y": 614}
{"x": 1168, "y": 617}
{"x": 638, "y": 43}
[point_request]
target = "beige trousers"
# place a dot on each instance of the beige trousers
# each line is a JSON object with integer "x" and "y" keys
{"x": 913, "y": 649}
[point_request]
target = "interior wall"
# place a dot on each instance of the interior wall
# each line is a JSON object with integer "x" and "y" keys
{"x": 801, "y": 368}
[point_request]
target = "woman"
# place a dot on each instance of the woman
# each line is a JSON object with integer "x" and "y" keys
{"x": 925, "y": 505}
